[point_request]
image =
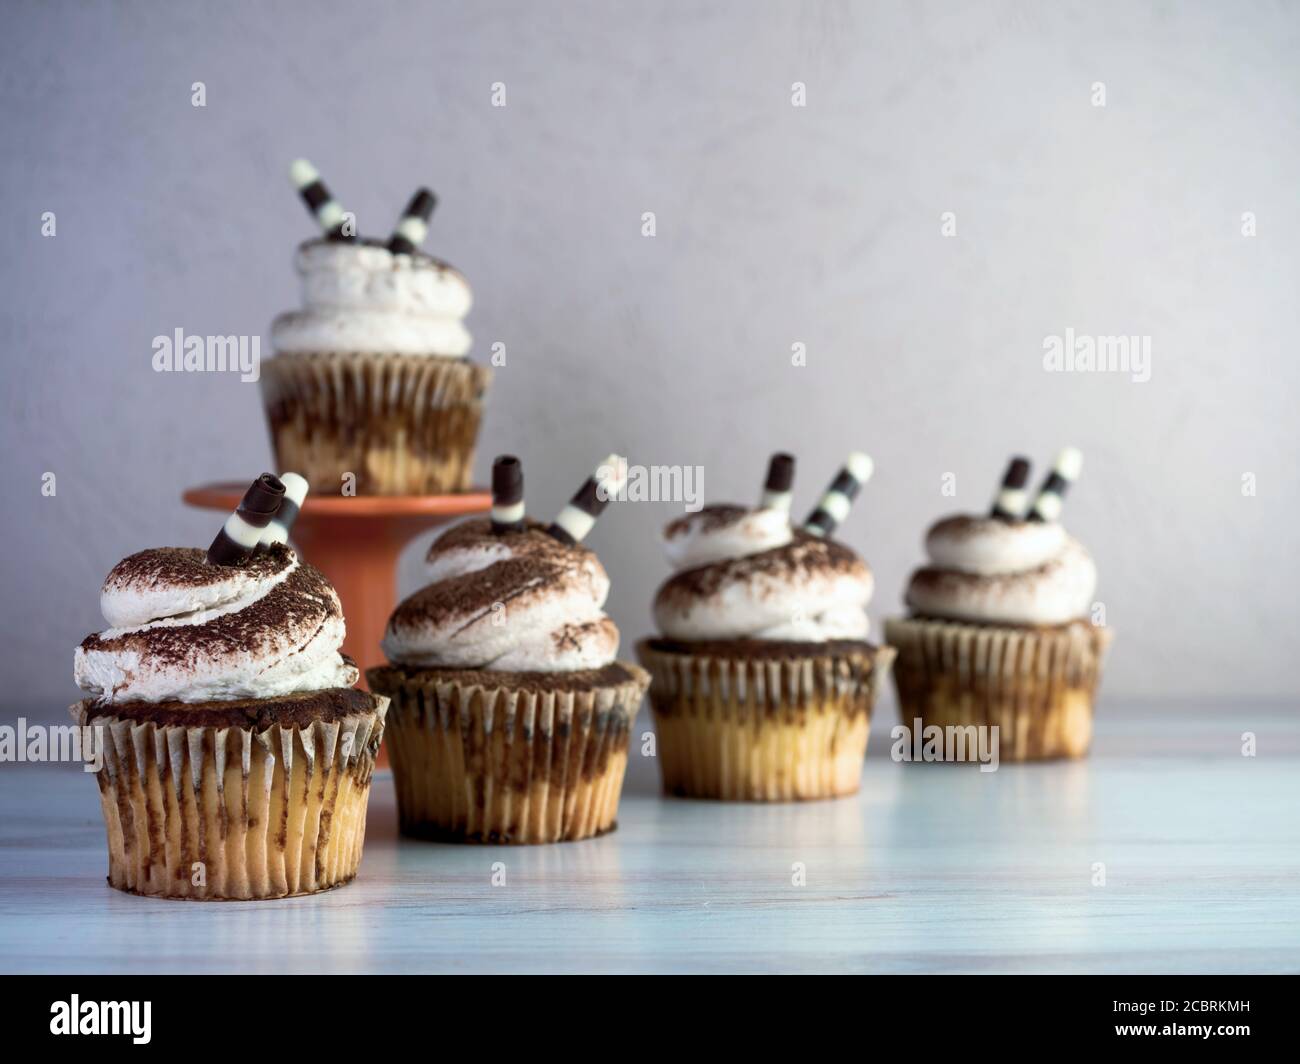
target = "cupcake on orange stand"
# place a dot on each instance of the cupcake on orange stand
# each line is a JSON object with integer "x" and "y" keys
{"x": 371, "y": 376}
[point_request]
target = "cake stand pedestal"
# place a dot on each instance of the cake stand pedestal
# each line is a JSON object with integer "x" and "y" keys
{"x": 355, "y": 542}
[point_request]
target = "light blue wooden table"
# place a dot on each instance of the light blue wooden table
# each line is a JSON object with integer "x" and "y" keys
{"x": 932, "y": 868}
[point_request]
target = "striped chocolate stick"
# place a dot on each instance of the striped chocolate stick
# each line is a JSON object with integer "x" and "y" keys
{"x": 414, "y": 224}
{"x": 295, "y": 490}
{"x": 835, "y": 504}
{"x": 580, "y": 512}
{"x": 780, "y": 477}
{"x": 323, "y": 206}
{"x": 243, "y": 528}
{"x": 507, "y": 495}
{"x": 1051, "y": 496}
{"x": 1010, "y": 502}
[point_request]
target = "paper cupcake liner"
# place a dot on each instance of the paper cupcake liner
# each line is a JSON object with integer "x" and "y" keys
{"x": 212, "y": 813}
{"x": 1036, "y": 685}
{"x": 764, "y": 728}
{"x": 476, "y": 761}
{"x": 401, "y": 424}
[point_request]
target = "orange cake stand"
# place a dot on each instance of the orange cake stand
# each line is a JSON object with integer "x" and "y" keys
{"x": 355, "y": 542}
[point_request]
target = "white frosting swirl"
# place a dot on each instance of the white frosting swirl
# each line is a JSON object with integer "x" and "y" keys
{"x": 519, "y": 602}
{"x": 746, "y": 574}
{"x": 989, "y": 546}
{"x": 991, "y": 571}
{"x": 360, "y": 297}
{"x": 182, "y": 630}
{"x": 717, "y": 533}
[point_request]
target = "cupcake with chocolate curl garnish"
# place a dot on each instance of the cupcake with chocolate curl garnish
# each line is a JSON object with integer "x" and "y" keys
{"x": 237, "y": 754}
{"x": 511, "y": 713}
{"x": 371, "y": 376}
{"x": 1000, "y": 633}
{"x": 764, "y": 679}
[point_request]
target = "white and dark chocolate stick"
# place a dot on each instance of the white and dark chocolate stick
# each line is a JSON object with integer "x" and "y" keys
{"x": 243, "y": 528}
{"x": 780, "y": 478}
{"x": 1051, "y": 496}
{"x": 323, "y": 206}
{"x": 838, "y": 500}
{"x": 414, "y": 224}
{"x": 295, "y": 490}
{"x": 1010, "y": 503}
{"x": 507, "y": 495}
{"x": 580, "y": 513}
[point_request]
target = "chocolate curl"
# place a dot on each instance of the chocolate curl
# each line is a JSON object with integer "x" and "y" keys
{"x": 507, "y": 495}
{"x": 414, "y": 224}
{"x": 295, "y": 490}
{"x": 780, "y": 478}
{"x": 243, "y": 528}
{"x": 323, "y": 206}
{"x": 1010, "y": 502}
{"x": 838, "y": 500}
{"x": 1051, "y": 496}
{"x": 580, "y": 513}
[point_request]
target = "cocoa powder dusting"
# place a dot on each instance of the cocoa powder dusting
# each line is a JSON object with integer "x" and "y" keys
{"x": 804, "y": 557}
{"x": 531, "y": 541}
{"x": 573, "y": 637}
{"x": 538, "y": 563}
{"x": 158, "y": 567}
{"x": 304, "y": 600}
{"x": 707, "y": 519}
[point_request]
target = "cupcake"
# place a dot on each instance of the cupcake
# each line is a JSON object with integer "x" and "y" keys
{"x": 763, "y": 677}
{"x": 370, "y": 378}
{"x": 510, "y": 711}
{"x": 999, "y": 633}
{"x": 237, "y": 755}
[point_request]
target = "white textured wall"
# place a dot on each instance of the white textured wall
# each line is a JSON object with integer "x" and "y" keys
{"x": 775, "y": 225}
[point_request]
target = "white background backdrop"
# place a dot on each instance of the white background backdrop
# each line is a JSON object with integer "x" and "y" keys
{"x": 775, "y": 225}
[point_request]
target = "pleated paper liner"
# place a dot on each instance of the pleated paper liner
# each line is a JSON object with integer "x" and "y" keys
{"x": 207, "y": 812}
{"x": 509, "y": 757}
{"x": 401, "y": 424}
{"x": 1036, "y": 684}
{"x": 789, "y": 722}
